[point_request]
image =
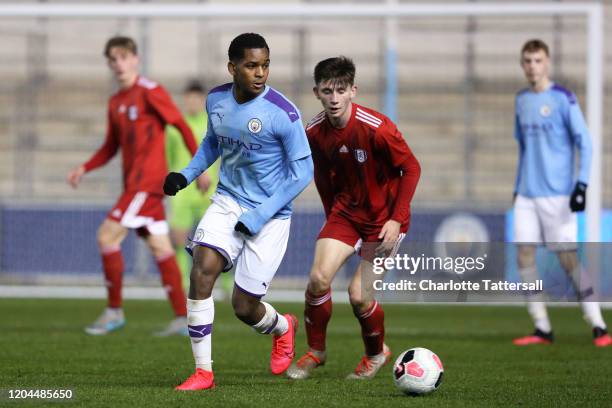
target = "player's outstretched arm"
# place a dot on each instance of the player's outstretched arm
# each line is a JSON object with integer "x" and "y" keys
{"x": 582, "y": 141}
{"x": 106, "y": 152}
{"x": 251, "y": 222}
{"x": 207, "y": 154}
{"x": 161, "y": 101}
{"x": 521, "y": 151}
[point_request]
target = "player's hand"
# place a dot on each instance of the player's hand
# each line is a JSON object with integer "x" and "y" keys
{"x": 75, "y": 175}
{"x": 250, "y": 223}
{"x": 389, "y": 235}
{"x": 578, "y": 199}
{"x": 173, "y": 183}
{"x": 240, "y": 227}
{"x": 204, "y": 182}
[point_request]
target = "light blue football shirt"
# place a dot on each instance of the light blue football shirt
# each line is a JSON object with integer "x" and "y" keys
{"x": 549, "y": 126}
{"x": 256, "y": 141}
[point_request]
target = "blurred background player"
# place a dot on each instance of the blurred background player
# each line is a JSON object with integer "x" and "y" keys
{"x": 265, "y": 164}
{"x": 187, "y": 208}
{"x": 137, "y": 115}
{"x": 366, "y": 176}
{"x": 549, "y": 126}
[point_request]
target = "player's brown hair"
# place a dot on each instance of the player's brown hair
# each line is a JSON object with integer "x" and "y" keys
{"x": 535, "y": 45}
{"x": 340, "y": 70}
{"x": 122, "y": 42}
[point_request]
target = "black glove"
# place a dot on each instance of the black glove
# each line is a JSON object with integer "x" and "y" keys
{"x": 578, "y": 200}
{"x": 174, "y": 182}
{"x": 240, "y": 227}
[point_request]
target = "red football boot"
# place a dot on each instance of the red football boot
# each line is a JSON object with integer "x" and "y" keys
{"x": 200, "y": 380}
{"x": 538, "y": 337}
{"x": 283, "y": 347}
{"x": 601, "y": 338}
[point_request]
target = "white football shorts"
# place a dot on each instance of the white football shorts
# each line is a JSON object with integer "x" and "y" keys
{"x": 256, "y": 258}
{"x": 545, "y": 220}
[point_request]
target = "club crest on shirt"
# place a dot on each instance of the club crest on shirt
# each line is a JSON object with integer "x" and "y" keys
{"x": 133, "y": 112}
{"x": 361, "y": 155}
{"x": 254, "y": 125}
{"x": 545, "y": 111}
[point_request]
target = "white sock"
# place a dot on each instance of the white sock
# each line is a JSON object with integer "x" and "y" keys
{"x": 535, "y": 303}
{"x": 592, "y": 314}
{"x": 272, "y": 322}
{"x": 200, "y": 316}
{"x": 537, "y": 311}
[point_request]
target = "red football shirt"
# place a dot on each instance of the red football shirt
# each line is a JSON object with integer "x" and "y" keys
{"x": 136, "y": 122}
{"x": 365, "y": 171}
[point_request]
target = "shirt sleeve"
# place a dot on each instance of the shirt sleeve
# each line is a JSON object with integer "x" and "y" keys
{"x": 581, "y": 138}
{"x": 205, "y": 156}
{"x": 292, "y": 136}
{"x": 162, "y": 103}
{"x": 107, "y": 151}
{"x": 518, "y": 135}
{"x": 402, "y": 158}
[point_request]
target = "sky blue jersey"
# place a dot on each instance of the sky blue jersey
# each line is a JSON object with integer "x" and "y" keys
{"x": 256, "y": 140}
{"x": 548, "y": 125}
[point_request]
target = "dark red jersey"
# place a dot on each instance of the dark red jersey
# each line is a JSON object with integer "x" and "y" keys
{"x": 366, "y": 171}
{"x": 136, "y": 123}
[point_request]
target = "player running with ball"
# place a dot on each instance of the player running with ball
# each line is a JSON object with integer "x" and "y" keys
{"x": 265, "y": 164}
{"x": 549, "y": 128}
{"x": 366, "y": 176}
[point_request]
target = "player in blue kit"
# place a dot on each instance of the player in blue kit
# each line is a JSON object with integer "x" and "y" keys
{"x": 549, "y": 128}
{"x": 265, "y": 164}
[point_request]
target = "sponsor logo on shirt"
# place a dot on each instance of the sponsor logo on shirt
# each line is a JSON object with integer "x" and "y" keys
{"x": 545, "y": 111}
{"x": 361, "y": 155}
{"x": 239, "y": 143}
{"x": 121, "y": 109}
{"x": 254, "y": 125}
{"x": 344, "y": 149}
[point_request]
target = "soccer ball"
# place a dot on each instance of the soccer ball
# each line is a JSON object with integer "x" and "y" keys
{"x": 417, "y": 371}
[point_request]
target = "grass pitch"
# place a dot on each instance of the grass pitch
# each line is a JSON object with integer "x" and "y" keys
{"x": 43, "y": 346}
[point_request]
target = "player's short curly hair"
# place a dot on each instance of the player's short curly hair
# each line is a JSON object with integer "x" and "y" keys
{"x": 535, "y": 45}
{"x": 122, "y": 42}
{"x": 244, "y": 41}
{"x": 340, "y": 70}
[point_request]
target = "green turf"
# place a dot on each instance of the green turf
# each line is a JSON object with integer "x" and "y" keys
{"x": 42, "y": 345}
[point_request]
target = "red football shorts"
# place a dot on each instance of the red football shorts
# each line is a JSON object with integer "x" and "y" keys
{"x": 340, "y": 228}
{"x": 141, "y": 211}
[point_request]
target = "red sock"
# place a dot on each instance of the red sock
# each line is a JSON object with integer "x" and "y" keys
{"x": 317, "y": 313}
{"x": 172, "y": 281}
{"x": 112, "y": 262}
{"x": 373, "y": 329}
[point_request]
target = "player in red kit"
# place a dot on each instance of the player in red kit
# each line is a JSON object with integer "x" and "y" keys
{"x": 366, "y": 176}
{"x": 137, "y": 115}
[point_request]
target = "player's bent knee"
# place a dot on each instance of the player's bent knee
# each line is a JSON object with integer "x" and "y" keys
{"x": 244, "y": 306}
{"x": 320, "y": 281}
{"x": 107, "y": 238}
